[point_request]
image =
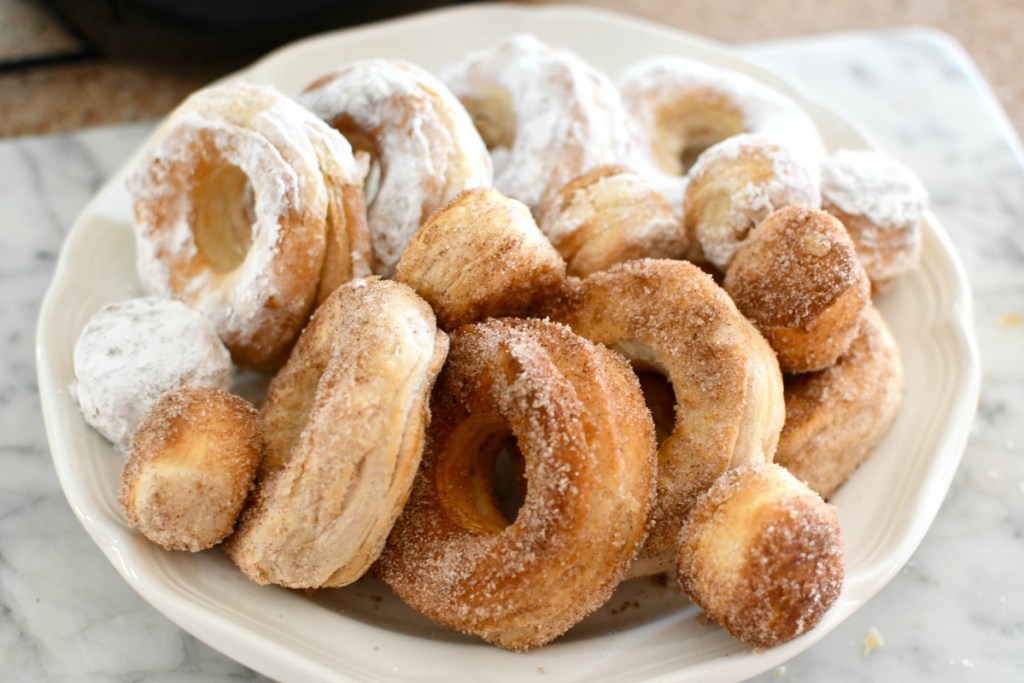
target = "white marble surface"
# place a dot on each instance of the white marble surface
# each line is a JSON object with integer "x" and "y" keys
{"x": 956, "y": 612}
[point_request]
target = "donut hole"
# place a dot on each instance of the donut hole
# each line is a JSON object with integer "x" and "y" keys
{"x": 495, "y": 121}
{"x": 481, "y": 475}
{"x": 660, "y": 398}
{"x": 224, "y": 215}
{"x": 367, "y": 155}
{"x": 691, "y": 126}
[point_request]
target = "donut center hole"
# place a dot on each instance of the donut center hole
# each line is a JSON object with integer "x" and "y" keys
{"x": 481, "y": 476}
{"x": 364, "y": 147}
{"x": 495, "y": 120}
{"x": 224, "y": 216}
{"x": 661, "y": 401}
{"x": 694, "y": 125}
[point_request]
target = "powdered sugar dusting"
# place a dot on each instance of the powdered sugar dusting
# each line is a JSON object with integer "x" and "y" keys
{"x": 870, "y": 184}
{"x": 130, "y": 353}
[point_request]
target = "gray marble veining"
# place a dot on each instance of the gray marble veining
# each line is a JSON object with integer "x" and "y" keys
{"x": 955, "y": 612}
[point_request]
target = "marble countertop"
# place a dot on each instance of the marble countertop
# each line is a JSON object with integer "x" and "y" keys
{"x": 955, "y": 612}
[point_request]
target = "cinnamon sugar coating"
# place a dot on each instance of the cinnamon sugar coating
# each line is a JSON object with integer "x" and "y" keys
{"x": 190, "y": 468}
{"x": 344, "y": 419}
{"x": 836, "y": 417}
{"x": 799, "y": 281}
{"x": 577, "y": 416}
{"x": 669, "y": 316}
{"x": 481, "y": 255}
{"x": 762, "y": 554}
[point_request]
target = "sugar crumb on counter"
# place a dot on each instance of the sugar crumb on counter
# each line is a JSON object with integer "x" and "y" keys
{"x": 872, "y": 641}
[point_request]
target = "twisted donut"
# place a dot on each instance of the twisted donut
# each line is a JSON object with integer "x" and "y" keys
{"x": 762, "y": 554}
{"x": 344, "y": 422}
{"x": 577, "y": 415}
{"x": 480, "y": 256}
{"x": 424, "y": 144}
{"x": 546, "y": 115}
{"x": 835, "y": 417}
{"x": 670, "y": 316}
{"x": 798, "y": 280}
{"x": 610, "y": 215}
{"x": 233, "y": 206}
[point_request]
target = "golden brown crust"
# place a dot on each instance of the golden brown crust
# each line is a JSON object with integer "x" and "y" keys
{"x": 670, "y": 316}
{"x": 577, "y": 415}
{"x": 482, "y": 255}
{"x": 835, "y": 417}
{"x": 610, "y": 215}
{"x": 799, "y": 281}
{"x": 190, "y": 467}
{"x": 762, "y": 554}
{"x": 345, "y": 419}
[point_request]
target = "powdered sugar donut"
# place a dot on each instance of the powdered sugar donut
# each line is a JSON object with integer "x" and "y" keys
{"x": 881, "y": 202}
{"x": 546, "y": 115}
{"x": 424, "y": 144}
{"x": 234, "y": 205}
{"x": 734, "y": 185}
{"x": 684, "y": 106}
{"x": 131, "y": 353}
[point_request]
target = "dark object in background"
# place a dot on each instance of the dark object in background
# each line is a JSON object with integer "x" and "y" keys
{"x": 165, "y": 30}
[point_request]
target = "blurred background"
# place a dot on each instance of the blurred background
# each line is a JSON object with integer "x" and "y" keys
{"x": 66, "y": 64}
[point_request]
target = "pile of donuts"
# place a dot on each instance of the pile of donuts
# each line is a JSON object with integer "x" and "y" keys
{"x": 468, "y": 292}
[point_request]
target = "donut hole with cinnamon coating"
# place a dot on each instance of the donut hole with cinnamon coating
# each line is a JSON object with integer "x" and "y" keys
{"x": 481, "y": 255}
{"x": 576, "y": 413}
{"x": 734, "y": 185}
{"x": 762, "y": 554}
{"x": 799, "y": 281}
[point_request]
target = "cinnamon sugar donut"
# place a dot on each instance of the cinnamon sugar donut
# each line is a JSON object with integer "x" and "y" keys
{"x": 344, "y": 421}
{"x": 132, "y": 352}
{"x": 671, "y": 317}
{"x": 423, "y": 143}
{"x": 684, "y": 106}
{"x": 233, "y": 206}
{"x": 762, "y": 554}
{"x": 190, "y": 468}
{"x": 881, "y": 202}
{"x": 609, "y": 215}
{"x": 836, "y": 417}
{"x": 482, "y": 255}
{"x": 577, "y": 415}
{"x": 546, "y": 115}
{"x": 734, "y": 185}
{"x": 799, "y": 281}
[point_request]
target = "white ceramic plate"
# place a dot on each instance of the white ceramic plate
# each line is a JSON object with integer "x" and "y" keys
{"x": 646, "y": 632}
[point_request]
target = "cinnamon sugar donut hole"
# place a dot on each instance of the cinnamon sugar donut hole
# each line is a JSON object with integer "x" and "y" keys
{"x": 482, "y": 255}
{"x": 190, "y": 468}
{"x": 734, "y": 185}
{"x": 799, "y": 281}
{"x": 762, "y": 555}
{"x": 577, "y": 416}
{"x": 881, "y": 202}
{"x": 345, "y": 420}
{"x": 609, "y": 215}
{"x": 670, "y": 317}
{"x": 835, "y": 417}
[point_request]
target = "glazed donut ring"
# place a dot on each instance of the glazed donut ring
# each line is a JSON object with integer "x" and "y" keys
{"x": 546, "y": 115}
{"x": 799, "y": 281}
{"x": 481, "y": 255}
{"x": 577, "y": 414}
{"x": 611, "y": 215}
{"x": 421, "y": 138}
{"x": 734, "y": 185}
{"x": 881, "y": 202}
{"x": 684, "y": 106}
{"x": 670, "y": 316}
{"x": 762, "y": 554}
{"x": 190, "y": 468}
{"x": 344, "y": 421}
{"x": 231, "y": 207}
{"x": 835, "y": 417}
